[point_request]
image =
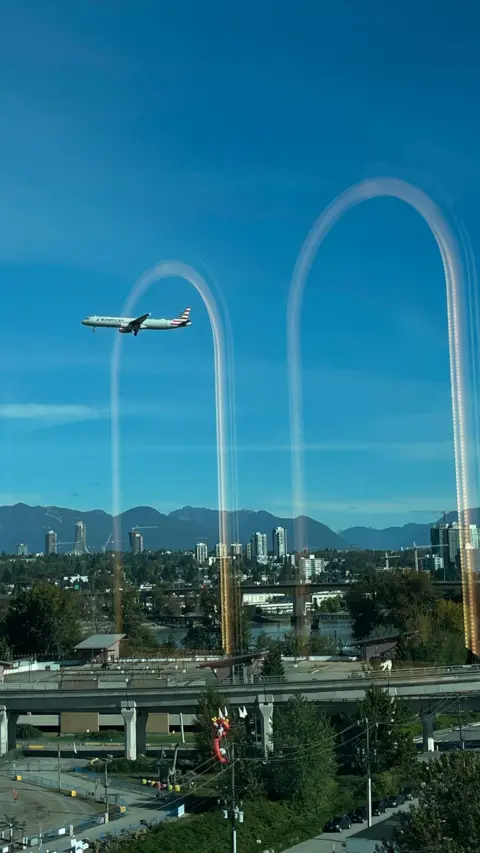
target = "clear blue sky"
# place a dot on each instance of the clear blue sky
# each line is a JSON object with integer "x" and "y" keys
{"x": 215, "y": 133}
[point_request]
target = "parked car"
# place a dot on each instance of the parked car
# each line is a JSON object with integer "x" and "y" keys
{"x": 378, "y": 807}
{"x": 395, "y": 800}
{"x": 359, "y": 815}
{"x": 337, "y": 824}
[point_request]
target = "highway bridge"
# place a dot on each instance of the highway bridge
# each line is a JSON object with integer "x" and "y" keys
{"x": 427, "y": 691}
{"x": 288, "y": 587}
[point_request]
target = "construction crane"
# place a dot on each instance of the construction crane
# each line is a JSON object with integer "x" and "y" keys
{"x": 390, "y": 557}
{"x": 65, "y": 543}
{"x": 415, "y": 551}
{"x": 104, "y": 547}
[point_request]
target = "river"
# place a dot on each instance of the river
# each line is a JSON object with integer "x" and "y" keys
{"x": 337, "y": 630}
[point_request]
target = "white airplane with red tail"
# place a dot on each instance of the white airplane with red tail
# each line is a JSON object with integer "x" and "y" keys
{"x": 129, "y": 325}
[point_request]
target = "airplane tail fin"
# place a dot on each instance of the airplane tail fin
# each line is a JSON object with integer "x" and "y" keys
{"x": 183, "y": 319}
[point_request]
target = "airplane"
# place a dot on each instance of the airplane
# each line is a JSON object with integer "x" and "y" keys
{"x": 127, "y": 325}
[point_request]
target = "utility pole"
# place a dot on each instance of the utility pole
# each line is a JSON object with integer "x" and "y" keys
{"x": 106, "y": 791}
{"x": 235, "y": 812}
{"x": 369, "y": 776}
{"x": 462, "y": 744}
{"x": 59, "y": 769}
{"x": 234, "y": 826}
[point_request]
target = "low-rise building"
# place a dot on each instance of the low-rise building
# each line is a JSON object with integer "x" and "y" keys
{"x": 100, "y": 648}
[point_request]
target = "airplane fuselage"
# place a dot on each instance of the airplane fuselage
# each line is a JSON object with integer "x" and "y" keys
{"x": 124, "y": 323}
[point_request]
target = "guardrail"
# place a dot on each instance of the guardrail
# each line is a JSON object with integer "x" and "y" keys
{"x": 175, "y": 681}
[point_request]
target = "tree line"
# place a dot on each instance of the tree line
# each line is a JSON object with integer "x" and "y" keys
{"x": 407, "y": 603}
{"x": 315, "y": 768}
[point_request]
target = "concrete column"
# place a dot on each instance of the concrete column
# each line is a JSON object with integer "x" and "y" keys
{"x": 3, "y": 730}
{"x": 265, "y": 706}
{"x": 129, "y": 714}
{"x": 141, "y": 726}
{"x": 12, "y": 729}
{"x": 427, "y": 731}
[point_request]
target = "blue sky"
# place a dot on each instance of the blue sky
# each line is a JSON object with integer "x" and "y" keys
{"x": 132, "y": 133}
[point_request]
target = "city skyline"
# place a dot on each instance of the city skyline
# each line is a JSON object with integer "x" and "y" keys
{"x": 80, "y": 229}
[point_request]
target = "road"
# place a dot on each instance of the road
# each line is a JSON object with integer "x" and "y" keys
{"x": 451, "y": 737}
{"x": 289, "y": 586}
{"x": 418, "y": 687}
{"x": 334, "y": 842}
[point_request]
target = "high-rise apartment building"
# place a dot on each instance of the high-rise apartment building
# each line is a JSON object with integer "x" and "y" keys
{"x": 310, "y": 567}
{"x": 220, "y": 550}
{"x": 22, "y": 550}
{"x": 259, "y": 546}
{"x": 80, "y": 538}
{"x": 453, "y": 536}
{"x": 279, "y": 542}
{"x": 50, "y": 543}
{"x": 236, "y": 549}
{"x": 201, "y": 552}
{"x": 473, "y": 538}
{"x": 248, "y": 551}
{"x": 136, "y": 541}
{"x": 445, "y": 539}
{"x": 439, "y": 541}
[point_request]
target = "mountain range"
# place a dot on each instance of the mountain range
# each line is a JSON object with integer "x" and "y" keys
{"x": 183, "y": 528}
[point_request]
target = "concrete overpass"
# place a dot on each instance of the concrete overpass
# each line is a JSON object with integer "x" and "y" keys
{"x": 288, "y": 587}
{"x": 427, "y": 692}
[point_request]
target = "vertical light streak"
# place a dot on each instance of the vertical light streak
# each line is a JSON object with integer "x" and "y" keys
{"x": 222, "y": 349}
{"x": 452, "y": 266}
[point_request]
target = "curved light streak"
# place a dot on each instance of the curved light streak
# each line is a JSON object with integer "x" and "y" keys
{"x": 452, "y": 266}
{"x": 222, "y": 349}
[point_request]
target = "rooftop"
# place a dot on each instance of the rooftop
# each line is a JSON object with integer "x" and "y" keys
{"x": 100, "y": 641}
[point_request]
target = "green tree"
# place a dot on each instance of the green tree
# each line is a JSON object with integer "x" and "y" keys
{"x": 303, "y": 764}
{"x": 447, "y": 818}
{"x": 138, "y": 633}
{"x": 202, "y": 638}
{"x": 272, "y": 666}
{"x": 365, "y": 606}
{"x": 391, "y": 739}
{"x": 42, "y": 621}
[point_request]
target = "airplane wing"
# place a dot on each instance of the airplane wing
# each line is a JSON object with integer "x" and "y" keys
{"x": 135, "y": 324}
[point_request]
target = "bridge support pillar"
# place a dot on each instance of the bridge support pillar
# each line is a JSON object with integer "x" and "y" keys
{"x": 141, "y": 732}
{"x": 427, "y": 731}
{"x": 265, "y": 706}
{"x": 3, "y": 730}
{"x": 129, "y": 714}
{"x": 12, "y": 729}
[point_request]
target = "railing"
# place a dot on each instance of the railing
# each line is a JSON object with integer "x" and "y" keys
{"x": 176, "y": 681}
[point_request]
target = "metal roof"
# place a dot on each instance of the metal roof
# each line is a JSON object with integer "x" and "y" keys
{"x": 100, "y": 641}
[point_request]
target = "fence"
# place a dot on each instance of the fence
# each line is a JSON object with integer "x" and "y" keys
{"x": 175, "y": 681}
{"x": 58, "y": 785}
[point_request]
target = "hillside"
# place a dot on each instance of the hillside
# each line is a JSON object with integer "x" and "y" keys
{"x": 180, "y": 530}
{"x": 183, "y": 528}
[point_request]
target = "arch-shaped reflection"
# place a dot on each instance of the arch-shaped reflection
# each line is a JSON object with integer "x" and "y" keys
{"x": 452, "y": 266}
{"x": 222, "y": 349}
